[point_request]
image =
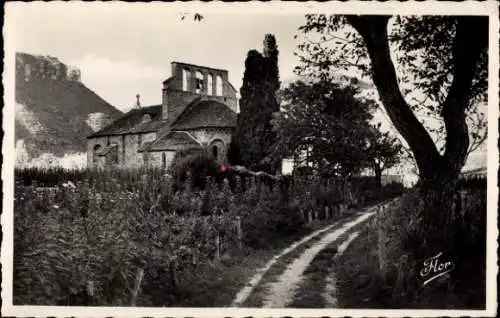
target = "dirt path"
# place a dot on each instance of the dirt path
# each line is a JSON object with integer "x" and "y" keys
{"x": 281, "y": 292}
{"x": 247, "y": 290}
{"x": 330, "y": 291}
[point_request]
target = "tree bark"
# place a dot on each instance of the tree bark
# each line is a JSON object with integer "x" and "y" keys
{"x": 438, "y": 173}
{"x": 373, "y": 30}
{"x": 378, "y": 176}
{"x": 470, "y": 40}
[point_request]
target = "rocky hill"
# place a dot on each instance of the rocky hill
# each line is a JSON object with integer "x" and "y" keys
{"x": 54, "y": 110}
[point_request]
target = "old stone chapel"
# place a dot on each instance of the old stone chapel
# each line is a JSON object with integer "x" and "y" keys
{"x": 198, "y": 111}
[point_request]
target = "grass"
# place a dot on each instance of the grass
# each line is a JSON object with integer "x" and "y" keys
{"x": 311, "y": 289}
{"x": 309, "y": 294}
{"x": 361, "y": 285}
{"x": 216, "y": 285}
{"x": 272, "y": 275}
{"x": 256, "y": 298}
{"x": 97, "y": 234}
{"x": 358, "y": 284}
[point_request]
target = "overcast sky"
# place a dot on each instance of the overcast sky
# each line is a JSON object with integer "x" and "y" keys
{"x": 123, "y": 49}
{"x": 126, "y": 50}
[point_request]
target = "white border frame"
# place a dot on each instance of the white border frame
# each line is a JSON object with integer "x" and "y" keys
{"x": 489, "y": 8}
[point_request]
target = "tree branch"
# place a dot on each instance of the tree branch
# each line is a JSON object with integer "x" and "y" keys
{"x": 470, "y": 41}
{"x": 373, "y": 30}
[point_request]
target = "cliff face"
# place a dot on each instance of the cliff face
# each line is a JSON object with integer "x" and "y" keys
{"x": 54, "y": 110}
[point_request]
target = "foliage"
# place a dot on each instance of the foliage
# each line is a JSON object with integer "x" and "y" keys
{"x": 82, "y": 230}
{"x": 254, "y": 136}
{"x": 440, "y": 58}
{"x": 327, "y": 122}
{"x": 196, "y": 166}
{"x": 434, "y": 60}
{"x": 389, "y": 273}
{"x": 102, "y": 231}
{"x": 266, "y": 217}
{"x": 383, "y": 152}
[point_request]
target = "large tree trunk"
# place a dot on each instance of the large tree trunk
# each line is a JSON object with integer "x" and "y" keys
{"x": 378, "y": 176}
{"x": 438, "y": 217}
{"x": 438, "y": 173}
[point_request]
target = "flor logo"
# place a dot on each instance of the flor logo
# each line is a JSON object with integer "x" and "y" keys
{"x": 436, "y": 266}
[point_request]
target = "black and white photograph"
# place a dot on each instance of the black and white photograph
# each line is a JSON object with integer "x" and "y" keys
{"x": 212, "y": 159}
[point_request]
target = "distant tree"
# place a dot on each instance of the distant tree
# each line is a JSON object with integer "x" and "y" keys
{"x": 254, "y": 136}
{"x": 327, "y": 123}
{"x": 383, "y": 152}
{"x": 443, "y": 58}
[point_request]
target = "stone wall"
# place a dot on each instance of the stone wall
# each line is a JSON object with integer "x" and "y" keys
{"x": 128, "y": 146}
{"x": 132, "y": 158}
{"x": 155, "y": 158}
{"x": 91, "y": 143}
{"x": 211, "y": 136}
{"x": 207, "y": 135}
{"x": 176, "y": 98}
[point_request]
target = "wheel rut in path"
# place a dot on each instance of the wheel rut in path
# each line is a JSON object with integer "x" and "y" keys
{"x": 330, "y": 289}
{"x": 288, "y": 281}
{"x": 282, "y": 292}
{"x": 247, "y": 290}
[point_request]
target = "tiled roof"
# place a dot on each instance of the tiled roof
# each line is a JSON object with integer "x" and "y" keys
{"x": 173, "y": 140}
{"x": 132, "y": 122}
{"x": 206, "y": 114}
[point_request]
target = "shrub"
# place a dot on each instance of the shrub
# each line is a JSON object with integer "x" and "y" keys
{"x": 101, "y": 233}
{"x": 388, "y": 191}
{"x": 398, "y": 233}
{"x": 110, "y": 224}
{"x": 195, "y": 166}
{"x": 269, "y": 219}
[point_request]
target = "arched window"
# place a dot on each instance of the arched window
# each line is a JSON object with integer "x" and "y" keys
{"x": 199, "y": 88}
{"x": 95, "y": 154}
{"x": 210, "y": 83}
{"x": 217, "y": 149}
{"x": 218, "y": 85}
{"x": 185, "y": 79}
{"x": 215, "y": 152}
{"x": 163, "y": 160}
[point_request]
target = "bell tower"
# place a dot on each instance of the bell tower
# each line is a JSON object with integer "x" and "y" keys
{"x": 190, "y": 82}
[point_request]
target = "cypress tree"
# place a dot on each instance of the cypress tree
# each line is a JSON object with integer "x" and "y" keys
{"x": 254, "y": 138}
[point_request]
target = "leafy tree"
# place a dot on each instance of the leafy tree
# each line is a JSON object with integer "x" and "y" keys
{"x": 254, "y": 135}
{"x": 383, "y": 152}
{"x": 327, "y": 122}
{"x": 443, "y": 66}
